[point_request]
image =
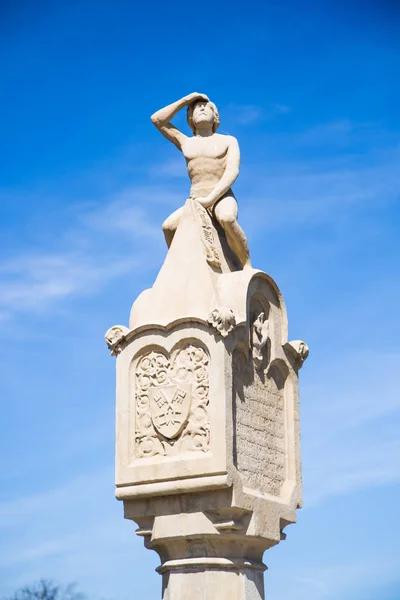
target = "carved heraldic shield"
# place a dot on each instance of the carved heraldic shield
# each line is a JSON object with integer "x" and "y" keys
{"x": 169, "y": 406}
{"x": 171, "y": 401}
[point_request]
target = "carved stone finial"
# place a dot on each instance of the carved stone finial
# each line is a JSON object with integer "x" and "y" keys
{"x": 259, "y": 338}
{"x": 223, "y": 319}
{"x": 115, "y": 337}
{"x": 299, "y": 351}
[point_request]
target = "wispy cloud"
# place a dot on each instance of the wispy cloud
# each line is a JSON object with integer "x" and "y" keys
{"x": 33, "y": 283}
{"x": 58, "y": 533}
{"x": 170, "y": 168}
{"x": 97, "y": 245}
{"x": 341, "y": 468}
{"x": 22, "y": 510}
{"x": 339, "y": 414}
{"x": 335, "y": 132}
{"x": 298, "y": 195}
{"x": 342, "y": 134}
{"x": 249, "y": 114}
{"x": 338, "y": 580}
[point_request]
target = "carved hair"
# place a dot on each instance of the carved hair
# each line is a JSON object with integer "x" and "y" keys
{"x": 190, "y": 115}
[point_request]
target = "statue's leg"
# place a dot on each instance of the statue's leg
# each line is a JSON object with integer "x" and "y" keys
{"x": 226, "y": 211}
{"x": 170, "y": 224}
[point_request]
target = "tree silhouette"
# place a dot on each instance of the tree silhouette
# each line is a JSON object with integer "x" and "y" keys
{"x": 47, "y": 590}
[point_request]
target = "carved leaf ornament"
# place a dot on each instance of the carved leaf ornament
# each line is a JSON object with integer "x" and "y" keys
{"x": 115, "y": 337}
{"x": 222, "y": 319}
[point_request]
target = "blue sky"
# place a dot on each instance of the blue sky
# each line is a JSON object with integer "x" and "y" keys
{"x": 311, "y": 90}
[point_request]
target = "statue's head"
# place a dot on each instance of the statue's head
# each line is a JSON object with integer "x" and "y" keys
{"x": 202, "y": 112}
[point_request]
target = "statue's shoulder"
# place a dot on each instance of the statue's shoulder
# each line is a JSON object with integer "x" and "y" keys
{"x": 228, "y": 139}
{"x": 225, "y": 136}
{"x": 189, "y": 142}
{"x": 190, "y": 139}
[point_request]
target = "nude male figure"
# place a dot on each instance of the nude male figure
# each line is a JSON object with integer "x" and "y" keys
{"x": 213, "y": 166}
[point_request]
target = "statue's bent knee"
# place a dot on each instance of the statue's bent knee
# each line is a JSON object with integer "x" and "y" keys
{"x": 227, "y": 220}
{"x": 167, "y": 226}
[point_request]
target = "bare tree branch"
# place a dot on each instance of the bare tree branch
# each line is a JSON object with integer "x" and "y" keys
{"x": 46, "y": 589}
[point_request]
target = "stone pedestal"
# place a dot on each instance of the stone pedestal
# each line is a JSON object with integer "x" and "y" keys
{"x": 213, "y": 578}
{"x": 208, "y": 456}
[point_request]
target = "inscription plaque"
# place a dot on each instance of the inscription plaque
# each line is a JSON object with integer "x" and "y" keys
{"x": 259, "y": 443}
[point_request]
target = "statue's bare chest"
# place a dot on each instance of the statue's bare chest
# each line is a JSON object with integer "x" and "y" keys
{"x": 211, "y": 147}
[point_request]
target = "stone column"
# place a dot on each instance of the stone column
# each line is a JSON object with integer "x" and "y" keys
{"x": 208, "y": 455}
{"x": 212, "y": 578}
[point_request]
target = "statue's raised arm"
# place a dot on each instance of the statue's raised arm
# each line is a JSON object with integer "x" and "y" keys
{"x": 162, "y": 118}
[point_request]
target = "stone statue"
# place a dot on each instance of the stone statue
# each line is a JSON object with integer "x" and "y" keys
{"x": 213, "y": 166}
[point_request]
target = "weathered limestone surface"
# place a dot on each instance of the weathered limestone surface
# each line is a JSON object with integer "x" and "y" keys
{"x": 208, "y": 443}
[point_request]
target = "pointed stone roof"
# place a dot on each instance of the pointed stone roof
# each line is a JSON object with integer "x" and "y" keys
{"x": 187, "y": 284}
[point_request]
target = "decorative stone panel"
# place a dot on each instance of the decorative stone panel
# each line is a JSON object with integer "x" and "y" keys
{"x": 172, "y": 400}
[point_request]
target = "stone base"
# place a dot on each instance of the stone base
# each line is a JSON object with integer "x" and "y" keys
{"x": 210, "y": 546}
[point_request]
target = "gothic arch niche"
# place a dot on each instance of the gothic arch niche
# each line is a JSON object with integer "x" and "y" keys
{"x": 277, "y": 373}
{"x": 258, "y": 304}
{"x": 260, "y": 331}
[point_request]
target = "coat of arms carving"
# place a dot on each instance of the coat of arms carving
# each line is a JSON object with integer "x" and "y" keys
{"x": 172, "y": 401}
{"x": 169, "y": 407}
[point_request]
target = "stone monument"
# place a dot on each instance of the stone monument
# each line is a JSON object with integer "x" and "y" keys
{"x": 207, "y": 433}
